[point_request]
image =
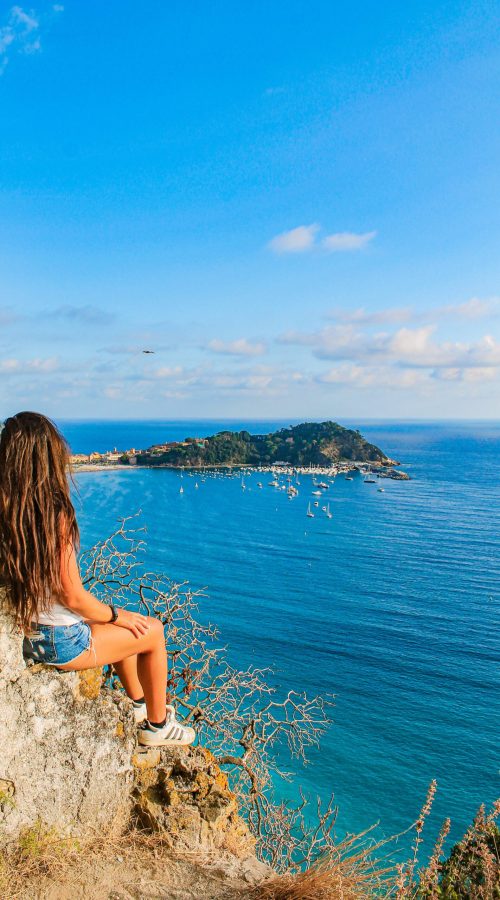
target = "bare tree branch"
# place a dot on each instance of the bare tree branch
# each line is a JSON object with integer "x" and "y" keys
{"x": 238, "y": 713}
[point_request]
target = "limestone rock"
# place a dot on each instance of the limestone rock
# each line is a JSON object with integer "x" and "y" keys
{"x": 69, "y": 761}
{"x": 65, "y": 748}
{"x": 182, "y": 792}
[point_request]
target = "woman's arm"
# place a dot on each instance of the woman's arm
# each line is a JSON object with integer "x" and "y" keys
{"x": 81, "y": 601}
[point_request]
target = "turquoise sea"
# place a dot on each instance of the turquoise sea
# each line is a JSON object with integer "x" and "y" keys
{"x": 392, "y": 604}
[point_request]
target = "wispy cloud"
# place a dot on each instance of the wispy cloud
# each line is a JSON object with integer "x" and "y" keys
{"x": 347, "y": 240}
{"x": 239, "y": 347}
{"x": 362, "y": 316}
{"x": 298, "y": 240}
{"x": 475, "y": 308}
{"x": 305, "y": 238}
{"x": 269, "y": 380}
{"x": 472, "y": 376}
{"x": 20, "y": 34}
{"x": 170, "y": 372}
{"x": 84, "y": 315}
{"x": 21, "y": 366}
{"x": 351, "y": 375}
{"x": 7, "y": 315}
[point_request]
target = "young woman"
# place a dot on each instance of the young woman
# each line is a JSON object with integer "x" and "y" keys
{"x": 64, "y": 625}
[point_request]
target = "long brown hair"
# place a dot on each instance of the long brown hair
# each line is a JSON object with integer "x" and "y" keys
{"x": 37, "y": 518}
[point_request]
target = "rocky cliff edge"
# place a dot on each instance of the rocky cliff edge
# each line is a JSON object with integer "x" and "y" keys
{"x": 69, "y": 760}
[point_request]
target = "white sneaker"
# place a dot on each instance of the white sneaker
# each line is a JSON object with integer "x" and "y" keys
{"x": 172, "y": 734}
{"x": 140, "y": 713}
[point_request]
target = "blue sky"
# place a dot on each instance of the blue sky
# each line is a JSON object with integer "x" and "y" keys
{"x": 295, "y": 205}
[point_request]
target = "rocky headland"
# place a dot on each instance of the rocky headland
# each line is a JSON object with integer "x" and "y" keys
{"x": 319, "y": 447}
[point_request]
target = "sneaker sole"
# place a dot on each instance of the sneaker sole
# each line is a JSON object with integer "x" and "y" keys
{"x": 148, "y": 743}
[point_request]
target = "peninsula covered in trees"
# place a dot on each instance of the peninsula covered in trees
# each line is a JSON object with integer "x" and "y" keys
{"x": 309, "y": 444}
{"x": 316, "y": 445}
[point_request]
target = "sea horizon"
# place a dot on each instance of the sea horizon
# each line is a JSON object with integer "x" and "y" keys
{"x": 339, "y": 419}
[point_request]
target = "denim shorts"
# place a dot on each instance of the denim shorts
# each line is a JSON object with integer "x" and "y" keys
{"x": 56, "y": 645}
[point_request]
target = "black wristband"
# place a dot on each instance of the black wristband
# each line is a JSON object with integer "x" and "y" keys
{"x": 114, "y": 613}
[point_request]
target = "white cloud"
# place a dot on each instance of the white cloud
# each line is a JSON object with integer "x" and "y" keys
{"x": 20, "y": 34}
{"x": 347, "y": 240}
{"x": 9, "y": 365}
{"x": 405, "y": 344}
{"x": 24, "y": 19}
{"x": 259, "y": 380}
{"x": 362, "y": 316}
{"x": 472, "y": 376}
{"x": 169, "y": 372}
{"x": 391, "y": 377}
{"x": 239, "y": 347}
{"x": 43, "y": 365}
{"x": 414, "y": 347}
{"x": 328, "y": 340}
{"x": 475, "y": 308}
{"x": 20, "y": 366}
{"x": 298, "y": 240}
{"x": 480, "y": 373}
{"x": 368, "y": 377}
{"x": 241, "y": 382}
{"x": 303, "y": 239}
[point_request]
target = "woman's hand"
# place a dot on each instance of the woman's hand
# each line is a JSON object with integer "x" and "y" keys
{"x": 134, "y": 622}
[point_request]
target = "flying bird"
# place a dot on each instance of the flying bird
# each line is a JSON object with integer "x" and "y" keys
{"x": 148, "y": 351}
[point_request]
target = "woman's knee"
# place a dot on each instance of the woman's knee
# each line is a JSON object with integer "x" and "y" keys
{"x": 156, "y": 629}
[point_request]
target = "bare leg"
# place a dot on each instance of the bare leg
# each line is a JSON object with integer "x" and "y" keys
{"x": 112, "y": 644}
{"x": 126, "y": 670}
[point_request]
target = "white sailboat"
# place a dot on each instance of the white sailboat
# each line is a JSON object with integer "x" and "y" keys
{"x": 329, "y": 514}
{"x": 310, "y": 512}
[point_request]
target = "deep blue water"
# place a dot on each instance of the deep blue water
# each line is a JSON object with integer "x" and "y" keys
{"x": 392, "y": 604}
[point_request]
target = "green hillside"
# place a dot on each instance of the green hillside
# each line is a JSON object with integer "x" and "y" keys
{"x": 317, "y": 444}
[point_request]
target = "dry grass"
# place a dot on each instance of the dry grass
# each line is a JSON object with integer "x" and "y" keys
{"x": 43, "y": 866}
{"x": 325, "y": 880}
{"x": 38, "y": 853}
{"x": 41, "y": 859}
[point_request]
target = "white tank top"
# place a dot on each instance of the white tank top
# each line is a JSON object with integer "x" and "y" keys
{"x": 59, "y": 615}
